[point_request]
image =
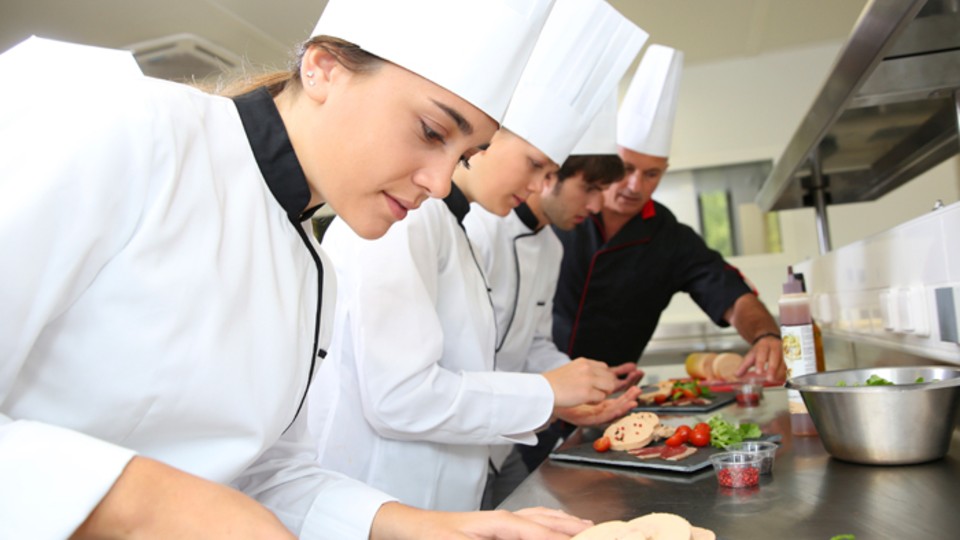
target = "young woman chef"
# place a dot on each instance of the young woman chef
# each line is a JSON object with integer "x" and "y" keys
{"x": 163, "y": 307}
{"x": 411, "y": 400}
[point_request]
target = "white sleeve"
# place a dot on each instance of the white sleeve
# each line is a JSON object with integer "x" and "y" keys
{"x": 45, "y": 467}
{"x": 312, "y": 502}
{"x": 398, "y": 339}
{"x": 544, "y": 355}
{"x": 68, "y": 203}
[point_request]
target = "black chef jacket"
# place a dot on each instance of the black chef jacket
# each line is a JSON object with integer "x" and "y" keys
{"x": 611, "y": 292}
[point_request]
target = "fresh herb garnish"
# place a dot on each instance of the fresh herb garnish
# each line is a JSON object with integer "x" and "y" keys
{"x": 723, "y": 433}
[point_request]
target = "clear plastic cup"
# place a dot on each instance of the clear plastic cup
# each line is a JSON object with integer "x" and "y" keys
{"x": 736, "y": 469}
{"x": 765, "y": 449}
{"x": 749, "y": 393}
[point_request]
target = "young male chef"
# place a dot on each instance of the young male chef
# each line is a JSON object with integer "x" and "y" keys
{"x": 413, "y": 401}
{"x": 520, "y": 255}
{"x": 621, "y": 267}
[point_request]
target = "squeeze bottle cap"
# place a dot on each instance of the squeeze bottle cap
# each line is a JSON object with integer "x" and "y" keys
{"x": 792, "y": 285}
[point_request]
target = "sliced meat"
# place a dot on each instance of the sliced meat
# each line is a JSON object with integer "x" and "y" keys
{"x": 658, "y": 526}
{"x": 632, "y": 431}
{"x": 702, "y": 401}
{"x": 649, "y": 452}
{"x": 676, "y": 453}
{"x": 663, "y": 431}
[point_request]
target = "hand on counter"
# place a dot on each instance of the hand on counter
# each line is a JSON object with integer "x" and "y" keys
{"x": 154, "y": 500}
{"x": 396, "y": 521}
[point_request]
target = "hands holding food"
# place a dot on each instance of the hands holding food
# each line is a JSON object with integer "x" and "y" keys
{"x": 589, "y": 414}
{"x": 581, "y": 381}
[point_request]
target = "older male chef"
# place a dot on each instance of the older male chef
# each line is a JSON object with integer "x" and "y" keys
{"x": 621, "y": 267}
{"x": 414, "y": 401}
{"x": 520, "y": 255}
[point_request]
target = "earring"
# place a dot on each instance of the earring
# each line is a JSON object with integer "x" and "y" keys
{"x": 311, "y": 82}
{"x": 309, "y": 74}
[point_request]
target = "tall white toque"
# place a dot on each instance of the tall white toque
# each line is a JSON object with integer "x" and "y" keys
{"x": 474, "y": 48}
{"x": 645, "y": 121}
{"x": 583, "y": 51}
{"x": 601, "y": 137}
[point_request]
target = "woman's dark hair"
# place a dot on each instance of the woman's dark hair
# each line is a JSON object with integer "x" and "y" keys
{"x": 601, "y": 170}
{"x": 349, "y": 55}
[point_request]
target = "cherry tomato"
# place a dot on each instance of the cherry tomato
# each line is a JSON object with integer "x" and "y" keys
{"x": 602, "y": 444}
{"x": 685, "y": 431}
{"x": 687, "y": 392}
{"x": 699, "y": 438}
{"x": 660, "y": 398}
{"x": 702, "y": 426}
{"x": 675, "y": 440}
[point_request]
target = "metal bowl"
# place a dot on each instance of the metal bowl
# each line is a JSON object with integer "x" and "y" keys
{"x": 883, "y": 425}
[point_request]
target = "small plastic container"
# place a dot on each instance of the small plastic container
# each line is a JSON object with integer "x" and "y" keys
{"x": 737, "y": 469}
{"x": 766, "y": 450}
{"x": 749, "y": 393}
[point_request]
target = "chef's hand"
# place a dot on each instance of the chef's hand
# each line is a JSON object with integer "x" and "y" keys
{"x": 581, "y": 381}
{"x": 607, "y": 410}
{"x": 395, "y": 521}
{"x": 154, "y": 500}
{"x": 766, "y": 359}
{"x": 628, "y": 373}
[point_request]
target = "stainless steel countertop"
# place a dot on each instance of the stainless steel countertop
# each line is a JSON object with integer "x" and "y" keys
{"x": 809, "y": 495}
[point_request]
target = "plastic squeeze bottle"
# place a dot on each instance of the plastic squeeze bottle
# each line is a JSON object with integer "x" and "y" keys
{"x": 799, "y": 352}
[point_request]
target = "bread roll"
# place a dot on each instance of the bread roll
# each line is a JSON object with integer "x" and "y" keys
{"x": 659, "y": 526}
{"x": 725, "y": 366}
{"x": 610, "y": 530}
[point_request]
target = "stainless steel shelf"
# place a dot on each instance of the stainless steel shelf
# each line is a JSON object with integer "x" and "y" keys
{"x": 886, "y": 113}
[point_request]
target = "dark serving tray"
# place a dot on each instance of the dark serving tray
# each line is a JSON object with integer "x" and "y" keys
{"x": 584, "y": 453}
{"x": 720, "y": 399}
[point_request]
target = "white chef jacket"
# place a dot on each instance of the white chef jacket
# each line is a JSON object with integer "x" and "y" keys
{"x": 522, "y": 263}
{"x": 408, "y": 396}
{"x": 159, "y": 295}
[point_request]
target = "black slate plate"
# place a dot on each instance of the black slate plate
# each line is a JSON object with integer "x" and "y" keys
{"x": 720, "y": 399}
{"x": 584, "y": 453}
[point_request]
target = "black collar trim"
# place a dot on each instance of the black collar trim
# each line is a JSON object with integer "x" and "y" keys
{"x": 527, "y": 216}
{"x": 457, "y": 203}
{"x": 275, "y": 156}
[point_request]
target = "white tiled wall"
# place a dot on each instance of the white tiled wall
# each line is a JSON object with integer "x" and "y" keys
{"x": 883, "y": 289}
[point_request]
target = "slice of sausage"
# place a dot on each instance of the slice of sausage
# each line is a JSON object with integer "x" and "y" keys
{"x": 678, "y": 453}
{"x": 649, "y": 452}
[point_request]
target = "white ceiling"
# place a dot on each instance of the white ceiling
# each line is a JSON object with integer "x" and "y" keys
{"x": 264, "y": 31}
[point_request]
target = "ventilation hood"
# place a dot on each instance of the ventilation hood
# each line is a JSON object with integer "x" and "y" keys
{"x": 887, "y": 112}
{"x": 183, "y": 57}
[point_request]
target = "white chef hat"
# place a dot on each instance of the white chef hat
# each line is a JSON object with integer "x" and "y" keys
{"x": 601, "y": 137}
{"x": 583, "y": 51}
{"x": 473, "y": 48}
{"x": 645, "y": 121}
{"x": 83, "y": 62}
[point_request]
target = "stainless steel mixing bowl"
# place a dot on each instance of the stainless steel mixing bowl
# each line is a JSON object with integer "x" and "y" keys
{"x": 883, "y": 425}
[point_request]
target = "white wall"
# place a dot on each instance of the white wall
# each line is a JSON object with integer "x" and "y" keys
{"x": 747, "y": 110}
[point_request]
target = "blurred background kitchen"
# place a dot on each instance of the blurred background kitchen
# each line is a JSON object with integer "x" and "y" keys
{"x": 784, "y": 106}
